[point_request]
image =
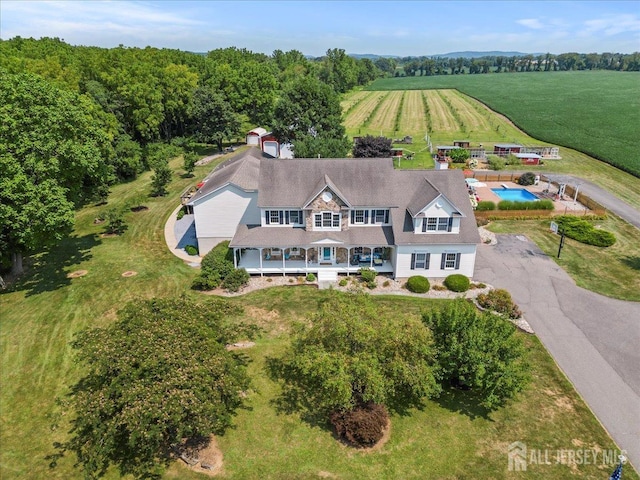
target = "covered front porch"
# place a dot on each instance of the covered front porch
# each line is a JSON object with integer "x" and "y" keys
{"x": 312, "y": 259}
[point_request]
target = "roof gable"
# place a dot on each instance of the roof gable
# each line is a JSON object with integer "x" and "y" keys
{"x": 326, "y": 184}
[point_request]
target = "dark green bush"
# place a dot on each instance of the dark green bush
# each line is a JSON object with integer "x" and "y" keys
{"x": 191, "y": 250}
{"x": 363, "y": 426}
{"x": 499, "y": 301}
{"x": 367, "y": 275}
{"x": 532, "y": 205}
{"x": 457, "y": 283}
{"x": 235, "y": 280}
{"x": 311, "y": 277}
{"x": 215, "y": 267}
{"x": 527, "y": 178}
{"x": 486, "y": 205}
{"x": 418, "y": 284}
{"x": 584, "y": 232}
{"x": 181, "y": 213}
{"x": 343, "y": 282}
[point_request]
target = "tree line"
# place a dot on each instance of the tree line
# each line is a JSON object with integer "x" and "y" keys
{"x": 428, "y": 66}
{"x": 78, "y": 119}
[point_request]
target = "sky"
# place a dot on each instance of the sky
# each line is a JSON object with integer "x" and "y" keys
{"x": 403, "y": 28}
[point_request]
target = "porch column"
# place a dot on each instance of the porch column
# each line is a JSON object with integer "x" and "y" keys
{"x": 260, "y": 255}
{"x": 306, "y": 258}
{"x": 370, "y": 257}
{"x": 348, "y": 260}
{"x": 235, "y": 259}
{"x": 283, "y": 274}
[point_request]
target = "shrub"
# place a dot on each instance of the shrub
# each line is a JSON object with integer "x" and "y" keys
{"x": 418, "y": 284}
{"x": 115, "y": 221}
{"x": 386, "y": 283}
{"x": 499, "y": 301}
{"x": 527, "y": 178}
{"x": 215, "y": 267}
{"x": 584, "y": 232}
{"x": 363, "y": 426}
{"x": 486, "y": 205}
{"x": 496, "y": 163}
{"x": 457, "y": 283}
{"x": 181, "y": 213}
{"x": 235, "y": 280}
{"x": 191, "y": 250}
{"x": 367, "y": 275}
{"x": 343, "y": 282}
{"x": 532, "y": 205}
{"x": 311, "y": 277}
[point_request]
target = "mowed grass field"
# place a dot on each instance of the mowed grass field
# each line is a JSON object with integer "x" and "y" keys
{"x": 595, "y": 112}
{"x": 448, "y": 438}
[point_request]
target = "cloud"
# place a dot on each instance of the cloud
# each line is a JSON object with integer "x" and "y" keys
{"x": 532, "y": 23}
{"x": 613, "y": 25}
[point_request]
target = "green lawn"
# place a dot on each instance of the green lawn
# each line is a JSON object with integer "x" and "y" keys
{"x": 596, "y": 112}
{"x": 449, "y": 438}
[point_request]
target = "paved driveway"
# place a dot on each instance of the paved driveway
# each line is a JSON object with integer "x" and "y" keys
{"x": 594, "y": 339}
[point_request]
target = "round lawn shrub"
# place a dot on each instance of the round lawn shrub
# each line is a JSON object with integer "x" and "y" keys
{"x": 181, "y": 213}
{"x": 457, "y": 283}
{"x": 205, "y": 282}
{"x": 343, "y": 282}
{"x": 191, "y": 250}
{"x": 418, "y": 284}
{"x": 363, "y": 426}
{"x": 485, "y": 205}
{"x": 527, "y": 178}
{"x": 311, "y": 277}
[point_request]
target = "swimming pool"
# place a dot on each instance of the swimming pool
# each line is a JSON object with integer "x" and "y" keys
{"x": 514, "y": 194}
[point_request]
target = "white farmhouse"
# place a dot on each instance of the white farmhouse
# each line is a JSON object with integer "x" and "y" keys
{"x": 331, "y": 216}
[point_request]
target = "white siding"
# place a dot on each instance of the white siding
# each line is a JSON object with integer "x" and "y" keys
{"x": 402, "y": 261}
{"x": 218, "y": 216}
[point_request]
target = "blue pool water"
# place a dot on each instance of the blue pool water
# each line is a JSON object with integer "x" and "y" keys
{"x": 514, "y": 194}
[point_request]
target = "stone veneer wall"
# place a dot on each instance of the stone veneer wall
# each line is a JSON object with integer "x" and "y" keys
{"x": 334, "y": 205}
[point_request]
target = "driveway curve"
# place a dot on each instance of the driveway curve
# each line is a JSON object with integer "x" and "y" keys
{"x": 594, "y": 339}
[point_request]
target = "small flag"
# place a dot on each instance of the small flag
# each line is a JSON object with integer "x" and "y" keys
{"x": 617, "y": 473}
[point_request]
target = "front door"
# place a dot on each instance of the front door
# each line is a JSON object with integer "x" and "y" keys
{"x": 326, "y": 254}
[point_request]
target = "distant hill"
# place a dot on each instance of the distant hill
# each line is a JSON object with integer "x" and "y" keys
{"x": 470, "y": 54}
{"x": 467, "y": 54}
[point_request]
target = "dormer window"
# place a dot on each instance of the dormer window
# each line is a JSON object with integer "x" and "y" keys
{"x": 437, "y": 224}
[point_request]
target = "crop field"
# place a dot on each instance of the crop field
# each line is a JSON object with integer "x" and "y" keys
{"x": 362, "y": 110}
{"x": 595, "y": 112}
{"x": 384, "y": 118}
{"x": 413, "y": 118}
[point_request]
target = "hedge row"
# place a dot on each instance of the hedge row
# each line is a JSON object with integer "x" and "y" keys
{"x": 583, "y": 231}
{"x": 532, "y": 205}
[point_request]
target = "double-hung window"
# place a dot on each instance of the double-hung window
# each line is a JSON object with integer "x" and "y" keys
{"x": 429, "y": 224}
{"x": 381, "y": 216}
{"x": 358, "y": 216}
{"x": 274, "y": 217}
{"x": 450, "y": 261}
{"x": 437, "y": 224}
{"x": 420, "y": 261}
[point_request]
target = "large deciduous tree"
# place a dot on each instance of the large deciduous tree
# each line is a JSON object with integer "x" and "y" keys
{"x": 157, "y": 377}
{"x": 352, "y": 354}
{"x": 478, "y": 350}
{"x": 308, "y": 115}
{"x": 372, "y": 147}
{"x": 55, "y": 154}
{"x": 214, "y": 121}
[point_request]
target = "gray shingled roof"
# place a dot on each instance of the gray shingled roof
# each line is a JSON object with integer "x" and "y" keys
{"x": 289, "y": 182}
{"x": 242, "y": 170}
